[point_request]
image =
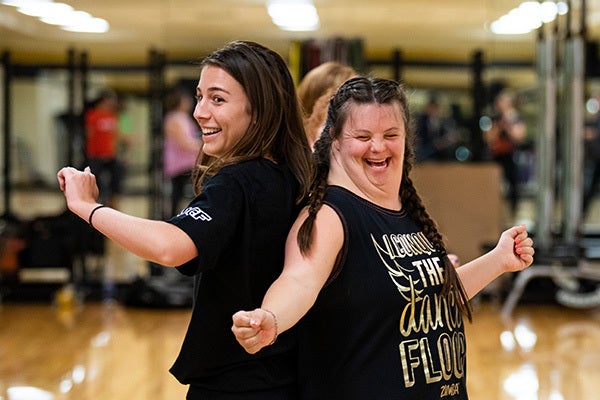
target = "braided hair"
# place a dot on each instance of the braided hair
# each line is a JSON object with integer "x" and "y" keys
{"x": 367, "y": 90}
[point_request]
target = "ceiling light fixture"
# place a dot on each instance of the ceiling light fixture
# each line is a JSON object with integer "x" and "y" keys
{"x": 90, "y": 25}
{"x": 294, "y": 15}
{"x": 67, "y": 18}
{"x": 43, "y": 8}
{"x": 61, "y": 14}
{"x": 530, "y": 15}
{"x": 17, "y": 3}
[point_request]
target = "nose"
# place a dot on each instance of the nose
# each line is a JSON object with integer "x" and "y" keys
{"x": 200, "y": 111}
{"x": 377, "y": 144}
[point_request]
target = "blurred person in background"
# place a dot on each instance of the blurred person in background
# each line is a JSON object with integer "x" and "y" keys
{"x": 182, "y": 144}
{"x": 315, "y": 90}
{"x": 503, "y": 139}
{"x": 436, "y": 135}
{"x": 103, "y": 138}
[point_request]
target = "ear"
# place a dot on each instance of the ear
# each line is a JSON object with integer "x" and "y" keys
{"x": 335, "y": 144}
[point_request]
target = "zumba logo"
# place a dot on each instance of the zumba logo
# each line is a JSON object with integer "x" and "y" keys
{"x": 196, "y": 213}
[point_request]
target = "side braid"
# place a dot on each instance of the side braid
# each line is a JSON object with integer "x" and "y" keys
{"x": 315, "y": 202}
{"x": 321, "y": 155}
{"x": 411, "y": 201}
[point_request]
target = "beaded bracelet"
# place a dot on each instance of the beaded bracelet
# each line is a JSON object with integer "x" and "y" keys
{"x": 276, "y": 328}
{"x": 92, "y": 214}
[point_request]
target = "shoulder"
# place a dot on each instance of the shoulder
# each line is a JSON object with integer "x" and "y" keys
{"x": 91, "y": 114}
{"x": 260, "y": 179}
{"x": 257, "y": 168}
{"x": 339, "y": 195}
{"x": 328, "y": 229}
{"x": 329, "y": 219}
{"x": 176, "y": 117}
{"x": 326, "y": 242}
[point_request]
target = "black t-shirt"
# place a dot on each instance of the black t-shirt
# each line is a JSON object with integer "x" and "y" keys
{"x": 380, "y": 330}
{"x": 239, "y": 224}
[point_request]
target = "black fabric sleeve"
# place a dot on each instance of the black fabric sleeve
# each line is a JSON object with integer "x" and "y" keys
{"x": 211, "y": 220}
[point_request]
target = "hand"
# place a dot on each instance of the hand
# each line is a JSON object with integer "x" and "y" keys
{"x": 515, "y": 248}
{"x": 78, "y": 186}
{"x": 254, "y": 329}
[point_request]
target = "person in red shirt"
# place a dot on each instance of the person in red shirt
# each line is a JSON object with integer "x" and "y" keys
{"x": 102, "y": 138}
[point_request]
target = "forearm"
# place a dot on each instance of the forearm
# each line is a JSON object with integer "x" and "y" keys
{"x": 479, "y": 273}
{"x": 295, "y": 291}
{"x": 155, "y": 241}
{"x": 288, "y": 308}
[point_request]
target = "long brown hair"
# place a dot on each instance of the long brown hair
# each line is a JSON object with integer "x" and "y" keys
{"x": 364, "y": 90}
{"x": 277, "y": 130}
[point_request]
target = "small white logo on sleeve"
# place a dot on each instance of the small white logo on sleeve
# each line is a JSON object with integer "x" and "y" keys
{"x": 196, "y": 213}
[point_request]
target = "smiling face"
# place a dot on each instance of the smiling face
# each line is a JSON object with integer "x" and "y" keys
{"x": 369, "y": 153}
{"x": 222, "y": 111}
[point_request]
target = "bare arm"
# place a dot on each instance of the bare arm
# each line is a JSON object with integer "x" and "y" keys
{"x": 513, "y": 252}
{"x": 298, "y": 286}
{"x": 155, "y": 241}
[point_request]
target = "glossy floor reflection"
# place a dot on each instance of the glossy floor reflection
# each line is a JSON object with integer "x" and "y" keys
{"x": 94, "y": 351}
{"x": 98, "y": 350}
{"x": 104, "y": 350}
{"x": 544, "y": 352}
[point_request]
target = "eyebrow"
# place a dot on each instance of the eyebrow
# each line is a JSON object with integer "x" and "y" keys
{"x": 360, "y": 130}
{"x": 213, "y": 89}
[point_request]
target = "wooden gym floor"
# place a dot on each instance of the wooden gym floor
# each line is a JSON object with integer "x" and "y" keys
{"x": 104, "y": 350}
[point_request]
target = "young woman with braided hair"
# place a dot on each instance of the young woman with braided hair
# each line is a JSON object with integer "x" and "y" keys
{"x": 378, "y": 304}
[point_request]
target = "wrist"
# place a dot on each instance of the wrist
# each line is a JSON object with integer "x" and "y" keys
{"x": 275, "y": 329}
{"x": 497, "y": 263}
{"x": 91, "y": 215}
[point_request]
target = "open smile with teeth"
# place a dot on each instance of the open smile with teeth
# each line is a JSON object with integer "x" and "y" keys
{"x": 210, "y": 131}
{"x": 378, "y": 163}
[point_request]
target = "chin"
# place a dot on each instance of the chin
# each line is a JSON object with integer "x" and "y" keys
{"x": 209, "y": 151}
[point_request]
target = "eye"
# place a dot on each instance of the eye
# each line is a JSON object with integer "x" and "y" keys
{"x": 198, "y": 98}
{"x": 218, "y": 99}
{"x": 362, "y": 137}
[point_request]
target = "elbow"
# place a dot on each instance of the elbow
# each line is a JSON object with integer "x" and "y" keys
{"x": 169, "y": 256}
{"x": 171, "y": 248}
{"x": 167, "y": 261}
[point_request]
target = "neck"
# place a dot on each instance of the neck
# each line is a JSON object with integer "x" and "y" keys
{"x": 386, "y": 197}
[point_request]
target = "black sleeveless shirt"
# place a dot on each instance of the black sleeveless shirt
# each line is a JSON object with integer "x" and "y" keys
{"x": 380, "y": 330}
